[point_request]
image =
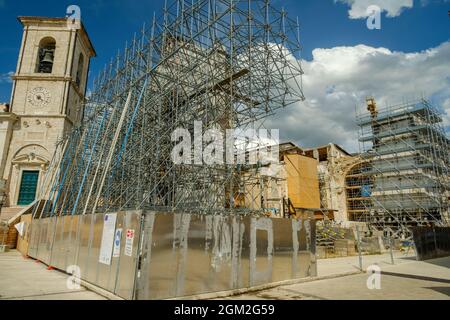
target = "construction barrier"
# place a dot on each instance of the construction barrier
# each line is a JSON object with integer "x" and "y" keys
{"x": 431, "y": 242}
{"x": 150, "y": 255}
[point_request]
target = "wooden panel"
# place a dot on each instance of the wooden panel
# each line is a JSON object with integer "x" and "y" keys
{"x": 303, "y": 181}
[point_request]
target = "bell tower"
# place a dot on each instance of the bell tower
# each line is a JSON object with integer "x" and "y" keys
{"x": 47, "y": 101}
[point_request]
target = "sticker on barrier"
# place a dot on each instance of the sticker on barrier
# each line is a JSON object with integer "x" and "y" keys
{"x": 129, "y": 243}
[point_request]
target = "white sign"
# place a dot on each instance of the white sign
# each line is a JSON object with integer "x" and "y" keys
{"x": 106, "y": 248}
{"x": 117, "y": 240}
{"x": 129, "y": 243}
{"x": 19, "y": 227}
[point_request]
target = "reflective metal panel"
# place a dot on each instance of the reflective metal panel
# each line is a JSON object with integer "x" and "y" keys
{"x": 46, "y": 238}
{"x": 71, "y": 237}
{"x": 125, "y": 280}
{"x": 261, "y": 251}
{"x": 42, "y": 240}
{"x": 180, "y": 254}
{"x": 103, "y": 270}
{"x": 312, "y": 250}
{"x": 50, "y": 239}
{"x": 210, "y": 254}
{"x": 58, "y": 255}
{"x": 115, "y": 260}
{"x": 83, "y": 245}
{"x": 157, "y": 279}
{"x": 204, "y": 258}
{"x": 34, "y": 238}
{"x": 96, "y": 231}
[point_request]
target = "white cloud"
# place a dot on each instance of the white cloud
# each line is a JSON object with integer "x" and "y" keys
{"x": 6, "y": 77}
{"x": 393, "y": 8}
{"x": 339, "y": 79}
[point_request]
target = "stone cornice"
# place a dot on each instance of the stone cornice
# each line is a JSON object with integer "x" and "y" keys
{"x": 8, "y": 116}
{"x": 38, "y": 77}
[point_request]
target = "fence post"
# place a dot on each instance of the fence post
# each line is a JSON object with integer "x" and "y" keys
{"x": 391, "y": 249}
{"x": 359, "y": 248}
{"x": 435, "y": 241}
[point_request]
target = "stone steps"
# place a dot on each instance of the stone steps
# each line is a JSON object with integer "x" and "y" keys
{"x": 9, "y": 212}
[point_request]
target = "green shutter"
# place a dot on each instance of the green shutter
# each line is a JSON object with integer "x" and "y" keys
{"x": 28, "y": 187}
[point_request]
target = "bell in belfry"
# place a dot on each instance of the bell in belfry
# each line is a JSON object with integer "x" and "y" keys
{"x": 46, "y": 64}
{"x": 48, "y": 56}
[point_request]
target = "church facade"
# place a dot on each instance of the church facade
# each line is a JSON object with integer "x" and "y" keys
{"x": 47, "y": 100}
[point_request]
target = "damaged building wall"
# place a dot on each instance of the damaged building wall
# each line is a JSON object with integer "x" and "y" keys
{"x": 334, "y": 164}
{"x": 293, "y": 178}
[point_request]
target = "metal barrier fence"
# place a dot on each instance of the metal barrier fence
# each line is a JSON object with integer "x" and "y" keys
{"x": 431, "y": 242}
{"x": 150, "y": 255}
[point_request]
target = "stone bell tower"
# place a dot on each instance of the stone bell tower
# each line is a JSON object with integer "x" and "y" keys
{"x": 47, "y": 101}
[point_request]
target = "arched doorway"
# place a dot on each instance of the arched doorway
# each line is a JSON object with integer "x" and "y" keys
{"x": 28, "y": 168}
{"x": 358, "y": 186}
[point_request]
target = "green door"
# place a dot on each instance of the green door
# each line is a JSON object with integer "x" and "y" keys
{"x": 28, "y": 187}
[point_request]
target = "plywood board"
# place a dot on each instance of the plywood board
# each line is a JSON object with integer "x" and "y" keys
{"x": 303, "y": 181}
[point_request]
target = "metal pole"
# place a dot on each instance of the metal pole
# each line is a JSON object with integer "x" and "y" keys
{"x": 358, "y": 237}
{"x": 435, "y": 241}
{"x": 111, "y": 151}
{"x": 391, "y": 249}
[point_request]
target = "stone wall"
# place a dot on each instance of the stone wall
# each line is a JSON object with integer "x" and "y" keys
{"x": 8, "y": 236}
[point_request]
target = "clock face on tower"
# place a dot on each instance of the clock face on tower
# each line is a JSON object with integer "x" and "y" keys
{"x": 39, "y": 97}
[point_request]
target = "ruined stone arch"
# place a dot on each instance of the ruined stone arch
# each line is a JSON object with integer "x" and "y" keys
{"x": 358, "y": 182}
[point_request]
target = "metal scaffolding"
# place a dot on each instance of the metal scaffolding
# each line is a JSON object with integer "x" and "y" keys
{"x": 225, "y": 63}
{"x": 357, "y": 182}
{"x": 404, "y": 179}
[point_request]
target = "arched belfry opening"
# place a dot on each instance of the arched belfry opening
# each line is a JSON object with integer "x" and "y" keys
{"x": 46, "y": 55}
{"x": 80, "y": 68}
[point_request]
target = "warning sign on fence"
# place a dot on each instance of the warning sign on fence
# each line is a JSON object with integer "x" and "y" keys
{"x": 106, "y": 248}
{"x": 129, "y": 243}
{"x": 117, "y": 239}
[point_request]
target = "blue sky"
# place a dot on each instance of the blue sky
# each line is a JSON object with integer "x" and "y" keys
{"x": 325, "y": 24}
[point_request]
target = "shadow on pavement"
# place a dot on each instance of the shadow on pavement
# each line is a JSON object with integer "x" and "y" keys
{"x": 442, "y": 262}
{"x": 409, "y": 258}
{"x": 443, "y": 290}
{"x": 411, "y": 276}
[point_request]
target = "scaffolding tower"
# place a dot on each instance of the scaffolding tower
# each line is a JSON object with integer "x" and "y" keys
{"x": 223, "y": 63}
{"x": 404, "y": 178}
